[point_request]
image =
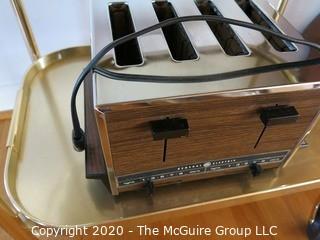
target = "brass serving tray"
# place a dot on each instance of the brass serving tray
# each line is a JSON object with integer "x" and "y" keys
{"x": 45, "y": 178}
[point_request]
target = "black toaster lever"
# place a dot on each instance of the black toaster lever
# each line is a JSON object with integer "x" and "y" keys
{"x": 169, "y": 128}
{"x": 279, "y": 114}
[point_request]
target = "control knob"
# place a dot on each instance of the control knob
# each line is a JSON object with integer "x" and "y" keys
{"x": 255, "y": 169}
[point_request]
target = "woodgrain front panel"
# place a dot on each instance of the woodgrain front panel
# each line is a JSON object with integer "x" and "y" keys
{"x": 221, "y": 126}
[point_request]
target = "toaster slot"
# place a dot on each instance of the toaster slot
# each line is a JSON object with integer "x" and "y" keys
{"x": 178, "y": 41}
{"x": 227, "y": 38}
{"x": 127, "y": 53}
{"x": 258, "y": 17}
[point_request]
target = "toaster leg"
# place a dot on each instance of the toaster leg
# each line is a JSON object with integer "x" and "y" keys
{"x": 313, "y": 229}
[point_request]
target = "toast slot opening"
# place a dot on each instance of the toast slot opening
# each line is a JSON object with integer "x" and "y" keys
{"x": 258, "y": 17}
{"x": 126, "y": 54}
{"x": 177, "y": 39}
{"x": 225, "y": 35}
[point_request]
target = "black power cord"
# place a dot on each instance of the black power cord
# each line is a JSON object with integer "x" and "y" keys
{"x": 78, "y": 135}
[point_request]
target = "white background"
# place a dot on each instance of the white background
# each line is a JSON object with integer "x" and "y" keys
{"x": 56, "y": 24}
{"x": 60, "y": 24}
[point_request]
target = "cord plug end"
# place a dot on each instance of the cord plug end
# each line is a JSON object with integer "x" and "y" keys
{"x": 79, "y": 142}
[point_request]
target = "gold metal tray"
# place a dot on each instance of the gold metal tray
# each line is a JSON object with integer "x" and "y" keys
{"x": 45, "y": 178}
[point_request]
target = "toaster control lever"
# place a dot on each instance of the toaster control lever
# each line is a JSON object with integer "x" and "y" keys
{"x": 255, "y": 169}
{"x": 169, "y": 128}
{"x": 279, "y": 114}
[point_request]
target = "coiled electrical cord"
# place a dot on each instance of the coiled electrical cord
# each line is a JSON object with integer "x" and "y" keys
{"x": 78, "y": 135}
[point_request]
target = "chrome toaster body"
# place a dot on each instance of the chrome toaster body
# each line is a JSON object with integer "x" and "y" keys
{"x": 125, "y": 111}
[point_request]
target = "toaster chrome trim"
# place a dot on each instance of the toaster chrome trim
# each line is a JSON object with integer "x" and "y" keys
{"x": 212, "y": 59}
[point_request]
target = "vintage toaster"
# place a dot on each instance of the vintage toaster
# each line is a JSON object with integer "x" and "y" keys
{"x": 151, "y": 134}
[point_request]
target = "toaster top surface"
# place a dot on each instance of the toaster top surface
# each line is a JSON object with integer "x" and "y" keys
{"x": 189, "y": 49}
